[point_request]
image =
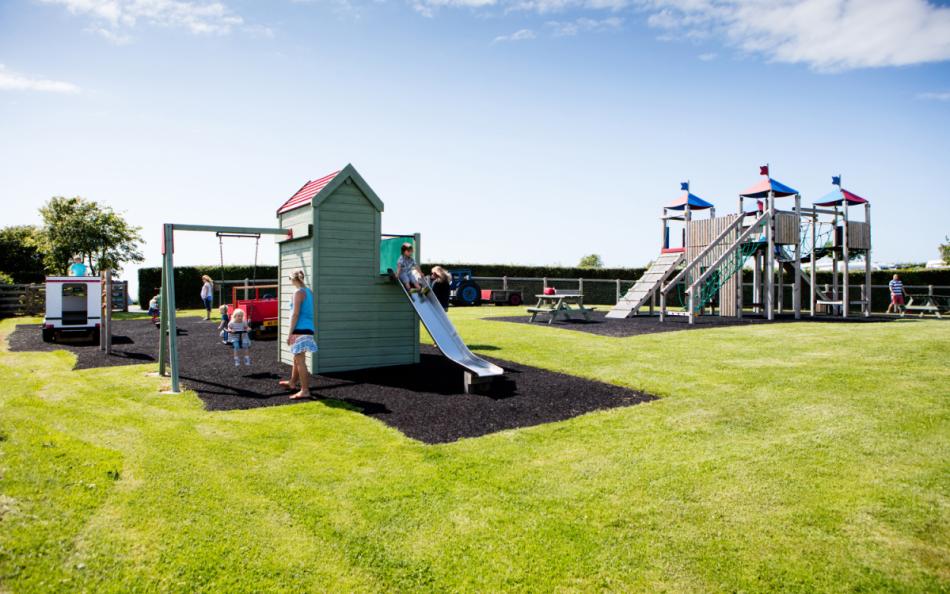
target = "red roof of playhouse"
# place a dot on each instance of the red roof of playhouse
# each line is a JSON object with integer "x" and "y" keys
{"x": 305, "y": 194}
{"x": 762, "y": 189}
{"x": 694, "y": 201}
{"x": 839, "y": 196}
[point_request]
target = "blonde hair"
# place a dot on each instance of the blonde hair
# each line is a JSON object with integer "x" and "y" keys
{"x": 298, "y": 277}
{"x": 442, "y": 273}
{"x": 223, "y": 308}
{"x": 238, "y": 313}
{"x": 207, "y": 279}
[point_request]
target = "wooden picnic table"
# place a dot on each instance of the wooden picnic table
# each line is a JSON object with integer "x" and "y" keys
{"x": 560, "y": 305}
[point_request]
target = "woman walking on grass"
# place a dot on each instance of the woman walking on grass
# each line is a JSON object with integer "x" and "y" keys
{"x": 300, "y": 338}
{"x": 207, "y": 294}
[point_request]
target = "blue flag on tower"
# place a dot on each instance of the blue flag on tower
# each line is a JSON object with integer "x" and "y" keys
{"x": 684, "y": 186}
{"x": 836, "y": 180}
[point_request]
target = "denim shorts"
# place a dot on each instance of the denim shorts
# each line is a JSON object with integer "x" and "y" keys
{"x": 208, "y": 301}
{"x": 304, "y": 344}
{"x": 239, "y": 340}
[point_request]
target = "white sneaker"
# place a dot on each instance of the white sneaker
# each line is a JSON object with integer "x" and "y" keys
{"x": 237, "y": 362}
{"x": 247, "y": 360}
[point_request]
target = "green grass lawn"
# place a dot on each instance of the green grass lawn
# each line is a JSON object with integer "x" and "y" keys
{"x": 785, "y": 457}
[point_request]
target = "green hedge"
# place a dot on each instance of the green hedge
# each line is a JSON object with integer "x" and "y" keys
{"x": 188, "y": 282}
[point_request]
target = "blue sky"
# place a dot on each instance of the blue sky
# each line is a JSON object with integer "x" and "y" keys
{"x": 515, "y": 131}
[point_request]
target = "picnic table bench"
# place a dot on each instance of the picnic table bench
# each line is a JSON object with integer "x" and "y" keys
{"x": 559, "y": 305}
{"x": 934, "y": 304}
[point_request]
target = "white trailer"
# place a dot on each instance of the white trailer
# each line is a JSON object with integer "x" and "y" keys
{"x": 73, "y": 307}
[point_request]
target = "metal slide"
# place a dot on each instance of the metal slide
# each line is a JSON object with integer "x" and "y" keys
{"x": 446, "y": 338}
{"x": 646, "y": 285}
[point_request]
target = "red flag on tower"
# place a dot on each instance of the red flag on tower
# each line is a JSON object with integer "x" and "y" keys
{"x": 764, "y": 170}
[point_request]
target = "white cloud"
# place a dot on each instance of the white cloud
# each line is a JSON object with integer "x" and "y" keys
{"x": 111, "y": 17}
{"x": 827, "y": 35}
{"x": 519, "y": 35}
{"x": 555, "y": 6}
{"x": 708, "y": 56}
{"x": 942, "y": 96}
{"x": 429, "y": 7}
{"x": 14, "y": 81}
{"x": 110, "y": 35}
{"x": 584, "y": 25}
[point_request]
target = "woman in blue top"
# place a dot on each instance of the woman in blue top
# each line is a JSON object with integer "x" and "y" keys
{"x": 300, "y": 337}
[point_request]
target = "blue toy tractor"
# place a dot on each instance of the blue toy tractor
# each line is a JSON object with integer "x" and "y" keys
{"x": 465, "y": 291}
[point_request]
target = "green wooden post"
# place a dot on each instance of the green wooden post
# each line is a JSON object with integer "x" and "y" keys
{"x": 163, "y": 308}
{"x": 170, "y": 300}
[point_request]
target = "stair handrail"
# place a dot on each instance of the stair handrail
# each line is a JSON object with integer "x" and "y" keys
{"x": 722, "y": 257}
{"x": 695, "y": 262}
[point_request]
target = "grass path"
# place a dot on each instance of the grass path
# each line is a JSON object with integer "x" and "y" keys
{"x": 796, "y": 457}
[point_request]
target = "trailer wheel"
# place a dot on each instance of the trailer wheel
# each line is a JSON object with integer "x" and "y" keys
{"x": 515, "y": 299}
{"x": 94, "y": 336}
{"x": 48, "y": 335}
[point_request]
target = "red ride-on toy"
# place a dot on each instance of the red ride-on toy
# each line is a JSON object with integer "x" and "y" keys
{"x": 262, "y": 310}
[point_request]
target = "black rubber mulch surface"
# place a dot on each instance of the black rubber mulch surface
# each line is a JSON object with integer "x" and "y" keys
{"x": 133, "y": 342}
{"x": 424, "y": 401}
{"x": 618, "y": 328}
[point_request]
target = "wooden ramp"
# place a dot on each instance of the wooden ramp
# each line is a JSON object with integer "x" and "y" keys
{"x": 646, "y": 285}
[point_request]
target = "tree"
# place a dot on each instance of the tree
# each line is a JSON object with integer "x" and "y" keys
{"x": 76, "y": 226}
{"x": 21, "y": 255}
{"x": 945, "y": 250}
{"x": 591, "y": 261}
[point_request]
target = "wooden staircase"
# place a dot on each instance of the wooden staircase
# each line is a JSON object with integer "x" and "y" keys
{"x": 647, "y": 285}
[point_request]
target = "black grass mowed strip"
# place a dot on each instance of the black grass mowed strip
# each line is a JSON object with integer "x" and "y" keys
{"x": 425, "y": 401}
{"x": 620, "y": 328}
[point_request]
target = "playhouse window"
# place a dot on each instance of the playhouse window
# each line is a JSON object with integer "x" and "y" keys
{"x": 74, "y": 290}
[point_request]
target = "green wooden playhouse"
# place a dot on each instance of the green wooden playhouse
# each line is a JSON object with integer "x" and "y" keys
{"x": 362, "y": 318}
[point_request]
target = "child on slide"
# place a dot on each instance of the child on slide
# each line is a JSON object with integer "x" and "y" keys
{"x": 223, "y": 326}
{"x": 409, "y": 273}
{"x": 239, "y": 336}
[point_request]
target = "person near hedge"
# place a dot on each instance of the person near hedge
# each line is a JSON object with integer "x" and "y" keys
{"x": 207, "y": 294}
{"x": 300, "y": 338}
{"x": 441, "y": 281}
{"x": 897, "y": 295}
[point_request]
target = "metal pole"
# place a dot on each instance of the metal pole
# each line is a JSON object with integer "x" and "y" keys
{"x": 108, "y": 313}
{"x": 812, "y": 274}
{"x": 834, "y": 262}
{"x": 172, "y": 322}
{"x": 618, "y": 292}
{"x": 797, "y": 290}
{"x": 102, "y": 310}
{"x": 163, "y": 309}
{"x": 846, "y": 280}
{"x": 757, "y": 282}
{"x": 867, "y": 262}
{"x": 770, "y": 260}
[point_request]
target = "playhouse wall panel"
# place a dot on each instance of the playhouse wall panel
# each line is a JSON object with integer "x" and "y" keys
{"x": 787, "y": 228}
{"x": 363, "y": 319}
{"x": 859, "y": 235}
{"x": 294, "y": 255}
